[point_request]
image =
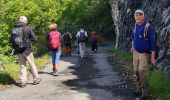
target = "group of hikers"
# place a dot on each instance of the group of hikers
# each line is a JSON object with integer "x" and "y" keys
{"x": 142, "y": 37}
{"x": 22, "y": 36}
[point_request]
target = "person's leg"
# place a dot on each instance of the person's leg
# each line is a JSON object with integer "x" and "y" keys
{"x": 57, "y": 59}
{"x": 69, "y": 49}
{"x": 78, "y": 47}
{"x": 92, "y": 47}
{"x": 23, "y": 69}
{"x": 143, "y": 61}
{"x": 33, "y": 68}
{"x": 56, "y": 62}
{"x": 53, "y": 60}
{"x": 81, "y": 49}
{"x": 65, "y": 49}
{"x": 84, "y": 49}
{"x": 95, "y": 47}
{"x": 136, "y": 71}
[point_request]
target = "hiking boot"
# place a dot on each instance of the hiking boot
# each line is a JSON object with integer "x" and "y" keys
{"x": 36, "y": 81}
{"x": 22, "y": 85}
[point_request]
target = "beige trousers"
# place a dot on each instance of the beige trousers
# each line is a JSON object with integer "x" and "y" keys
{"x": 23, "y": 70}
{"x": 140, "y": 61}
{"x": 82, "y": 49}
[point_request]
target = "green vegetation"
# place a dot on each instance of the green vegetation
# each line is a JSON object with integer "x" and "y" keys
{"x": 12, "y": 69}
{"x": 68, "y": 14}
{"x": 159, "y": 83}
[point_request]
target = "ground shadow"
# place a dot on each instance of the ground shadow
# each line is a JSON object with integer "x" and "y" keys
{"x": 86, "y": 71}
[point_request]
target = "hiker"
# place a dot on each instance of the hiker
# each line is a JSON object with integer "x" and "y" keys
{"x": 54, "y": 39}
{"x": 21, "y": 38}
{"x": 67, "y": 41}
{"x": 82, "y": 38}
{"x": 94, "y": 41}
{"x": 143, "y": 44}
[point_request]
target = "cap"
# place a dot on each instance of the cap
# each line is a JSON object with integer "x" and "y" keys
{"x": 22, "y": 18}
{"x": 139, "y": 11}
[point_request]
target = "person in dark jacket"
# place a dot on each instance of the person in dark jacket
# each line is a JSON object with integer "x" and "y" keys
{"x": 67, "y": 42}
{"x": 26, "y": 53}
{"x": 94, "y": 41}
{"x": 143, "y": 44}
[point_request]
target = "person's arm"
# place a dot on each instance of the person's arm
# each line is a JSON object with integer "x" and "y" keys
{"x": 152, "y": 41}
{"x": 86, "y": 34}
{"x": 32, "y": 35}
{"x": 132, "y": 40}
{"x": 70, "y": 35}
{"x": 77, "y": 34}
{"x": 63, "y": 36}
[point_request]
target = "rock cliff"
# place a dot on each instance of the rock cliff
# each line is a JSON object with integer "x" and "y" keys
{"x": 157, "y": 12}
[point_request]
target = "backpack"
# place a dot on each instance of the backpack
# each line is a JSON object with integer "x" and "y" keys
{"x": 54, "y": 39}
{"x": 66, "y": 38}
{"x": 18, "y": 40}
{"x": 82, "y": 37}
{"x": 145, "y": 30}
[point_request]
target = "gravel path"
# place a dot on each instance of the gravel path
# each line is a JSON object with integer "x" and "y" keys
{"x": 92, "y": 78}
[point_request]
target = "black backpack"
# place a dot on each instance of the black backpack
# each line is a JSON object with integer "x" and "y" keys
{"x": 82, "y": 37}
{"x": 18, "y": 40}
{"x": 66, "y": 38}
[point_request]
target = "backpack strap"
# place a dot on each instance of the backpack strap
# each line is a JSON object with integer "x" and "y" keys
{"x": 134, "y": 31}
{"x": 146, "y": 30}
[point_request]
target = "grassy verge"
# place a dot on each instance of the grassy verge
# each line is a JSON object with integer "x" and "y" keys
{"x": 159, "y": 83}
{"x": 12, "y": 69}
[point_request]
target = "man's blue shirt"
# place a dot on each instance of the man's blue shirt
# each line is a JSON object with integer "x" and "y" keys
{"x": 143, "y": 44}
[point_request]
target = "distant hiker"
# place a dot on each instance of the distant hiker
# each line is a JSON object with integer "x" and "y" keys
{"x": 82, "y": 38}
{"x": 54, "y": 39}
{"x": 143, "y": 44}
{"x": 94, "y": 41}
{"x": 21, "y": 37}
{"x": 67, "y": 41}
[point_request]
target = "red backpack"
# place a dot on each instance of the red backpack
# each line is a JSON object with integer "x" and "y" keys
{"x": 54, "y": 38}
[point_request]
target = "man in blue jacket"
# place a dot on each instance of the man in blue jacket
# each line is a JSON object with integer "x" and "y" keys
{"x": 143, "y": 44}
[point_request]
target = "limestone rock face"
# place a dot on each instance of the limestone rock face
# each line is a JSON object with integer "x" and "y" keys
{"x": 157, "y": 12}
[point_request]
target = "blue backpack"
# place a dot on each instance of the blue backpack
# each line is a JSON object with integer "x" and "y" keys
{"x": 82, "y": 37}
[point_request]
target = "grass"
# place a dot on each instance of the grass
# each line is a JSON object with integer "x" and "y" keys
{"x": 125, "y": 57}
{"x": 12, "y": 69}
{"x": 159, "y": 83}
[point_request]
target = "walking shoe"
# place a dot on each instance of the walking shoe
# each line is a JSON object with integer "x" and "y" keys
{"x": 137, "y": 93}
{"x": 144, "y": 97}
{"x": 36, "y": 81}
{"x": 70, "y": 54}
{"x": 54, "y": 73}
{"x": 22, "y": 85}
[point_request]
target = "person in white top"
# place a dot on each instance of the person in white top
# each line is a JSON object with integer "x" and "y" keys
{"x": 82, "y": 38}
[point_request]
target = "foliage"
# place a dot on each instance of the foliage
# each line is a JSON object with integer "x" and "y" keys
{"x": 68, "y": 14}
